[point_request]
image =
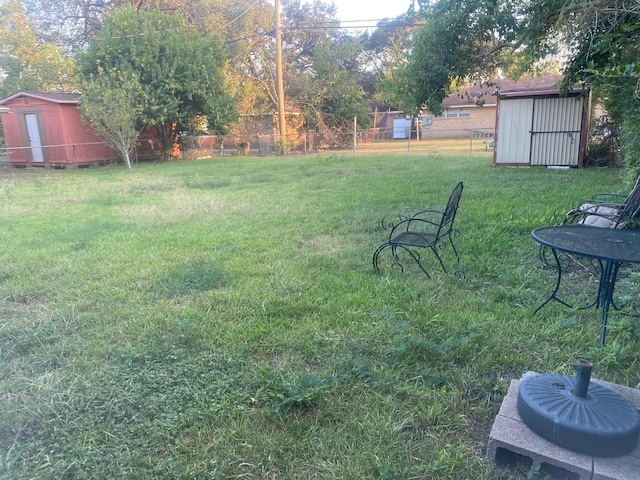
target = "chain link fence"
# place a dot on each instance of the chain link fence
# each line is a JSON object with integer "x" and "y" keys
{"x": 373, "y": 141}
{"x": 468, "y": 141}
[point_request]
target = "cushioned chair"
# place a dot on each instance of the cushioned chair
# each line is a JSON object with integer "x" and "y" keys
{"x": 604, "y": 210}
{"x": 607, "y": 210}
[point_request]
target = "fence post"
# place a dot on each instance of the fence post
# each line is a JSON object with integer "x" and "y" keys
{"x": 355, "y": 133}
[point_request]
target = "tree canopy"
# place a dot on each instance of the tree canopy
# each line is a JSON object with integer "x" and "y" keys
{"x": 323, "y": 68}
{"x": 326, "y": 69}
{"x": 179, "y": 70}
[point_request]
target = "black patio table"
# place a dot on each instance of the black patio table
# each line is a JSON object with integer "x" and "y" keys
{"x": 611, "y": 247}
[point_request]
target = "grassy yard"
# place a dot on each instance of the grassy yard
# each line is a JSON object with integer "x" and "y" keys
{"x": 221, "y": 318}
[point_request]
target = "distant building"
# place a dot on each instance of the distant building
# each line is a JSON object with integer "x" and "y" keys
{"x": 469, "y": 112}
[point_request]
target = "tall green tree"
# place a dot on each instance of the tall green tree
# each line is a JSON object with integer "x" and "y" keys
{"x": 385, "y": 50}
{"x": 459, "y": 39}
{"x": 180, "y": 70}
{"x": 246, "y": 27}
{"x": 328, "y": 92}
{"x": 322, "y": 67}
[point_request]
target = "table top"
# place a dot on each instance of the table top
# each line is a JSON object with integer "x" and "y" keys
{"x": 621, "y": 246}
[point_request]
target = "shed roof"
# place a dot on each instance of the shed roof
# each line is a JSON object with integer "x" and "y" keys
{"x": 66, "y": 98}
{"x": 487, "y": 92}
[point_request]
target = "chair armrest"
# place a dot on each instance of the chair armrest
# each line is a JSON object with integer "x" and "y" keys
{"x": 424, "y": 220}
{"x": 615, "y": 200}
{"x": 389, "y": 221}
{"x": 603, "y": 215}
{"x": 427, "y": 215}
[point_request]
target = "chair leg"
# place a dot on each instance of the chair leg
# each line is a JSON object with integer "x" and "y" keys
{"x": 377, "y": 253}
{"x": 435, "y": 252}
{"x": 454, "y": 249}
{"x": 416, "y": 257}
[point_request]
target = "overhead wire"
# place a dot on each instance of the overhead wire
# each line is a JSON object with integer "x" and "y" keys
{"x": 332, "y": 26}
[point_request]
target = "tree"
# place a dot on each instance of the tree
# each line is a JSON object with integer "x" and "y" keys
{"x": 245, "y": 25}
{"x": 70, "y": 24}
{"x": 112, "y": 104}
{"x": 311, "y": 35}
{"x": 322, "y": 67}
{"x": 460, "y": 39}
{"x": 28, "y": 62}
{"x": 329, "y": 93}
{"x": 178, "y": 68}
{"x": 385, "y": 50}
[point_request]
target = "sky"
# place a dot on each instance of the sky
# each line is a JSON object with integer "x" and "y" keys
{"x": 349, "y": 10}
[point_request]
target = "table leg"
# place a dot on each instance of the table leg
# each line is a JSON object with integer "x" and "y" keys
{"x": 605, "y": 294}
{"x": 557, "y": 287}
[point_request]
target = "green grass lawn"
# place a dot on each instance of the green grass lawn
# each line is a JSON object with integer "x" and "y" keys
{"x": 222, "y": 319}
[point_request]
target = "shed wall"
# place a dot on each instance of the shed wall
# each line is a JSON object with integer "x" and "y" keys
{"x": 65, "y": 140}
{"x": 546, "y": 130}
{"x": 556, "y": 131}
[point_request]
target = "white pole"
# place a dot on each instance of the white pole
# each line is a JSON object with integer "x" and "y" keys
{"x": 355, "y": 133}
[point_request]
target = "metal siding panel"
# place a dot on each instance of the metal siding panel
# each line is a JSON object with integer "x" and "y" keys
{"x": 514, "y": 123}
{"x": 556, "y": 126}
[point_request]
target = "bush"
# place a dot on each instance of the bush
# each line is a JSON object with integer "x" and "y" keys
{"x": 604, "y": 144}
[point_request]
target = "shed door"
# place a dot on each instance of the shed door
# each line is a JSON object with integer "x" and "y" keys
{"x": 513, "y": 134}
{"x": 34, "y": 137}
{"x": 556, "y": 129}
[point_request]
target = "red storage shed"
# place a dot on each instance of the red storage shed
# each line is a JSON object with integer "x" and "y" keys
{"x": 46, "y": 130}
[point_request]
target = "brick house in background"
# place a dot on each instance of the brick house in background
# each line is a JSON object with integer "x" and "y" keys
{"x": 474, "y": 109}
{"x": 469, "y": 112}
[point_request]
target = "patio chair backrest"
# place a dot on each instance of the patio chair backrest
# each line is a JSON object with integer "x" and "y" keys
{"x": 631, "y": 205}
{"x": 449, "y": 214}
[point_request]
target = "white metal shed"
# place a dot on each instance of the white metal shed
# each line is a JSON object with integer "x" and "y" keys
{"x": 541, "y": 128}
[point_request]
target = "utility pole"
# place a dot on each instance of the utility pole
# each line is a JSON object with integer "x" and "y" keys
{"x": 281, "y": 109}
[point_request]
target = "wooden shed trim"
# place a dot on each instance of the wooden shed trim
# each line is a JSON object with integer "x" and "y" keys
{"x": 62, "y": 98}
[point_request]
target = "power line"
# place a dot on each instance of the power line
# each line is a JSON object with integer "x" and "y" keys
{"x": 351, "y": 27}
{"x": 367, "y": 20}
{"x": 270, "y": 33}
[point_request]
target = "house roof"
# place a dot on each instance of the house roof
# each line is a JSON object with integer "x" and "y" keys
{"x": 67, "y": 98}
{"x": 487, "y": 92}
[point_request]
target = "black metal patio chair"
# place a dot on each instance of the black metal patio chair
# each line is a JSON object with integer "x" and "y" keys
{"x": 604, "y": 210}
{"x": 426, "y": 229}
{"x": 607, "y": 210}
